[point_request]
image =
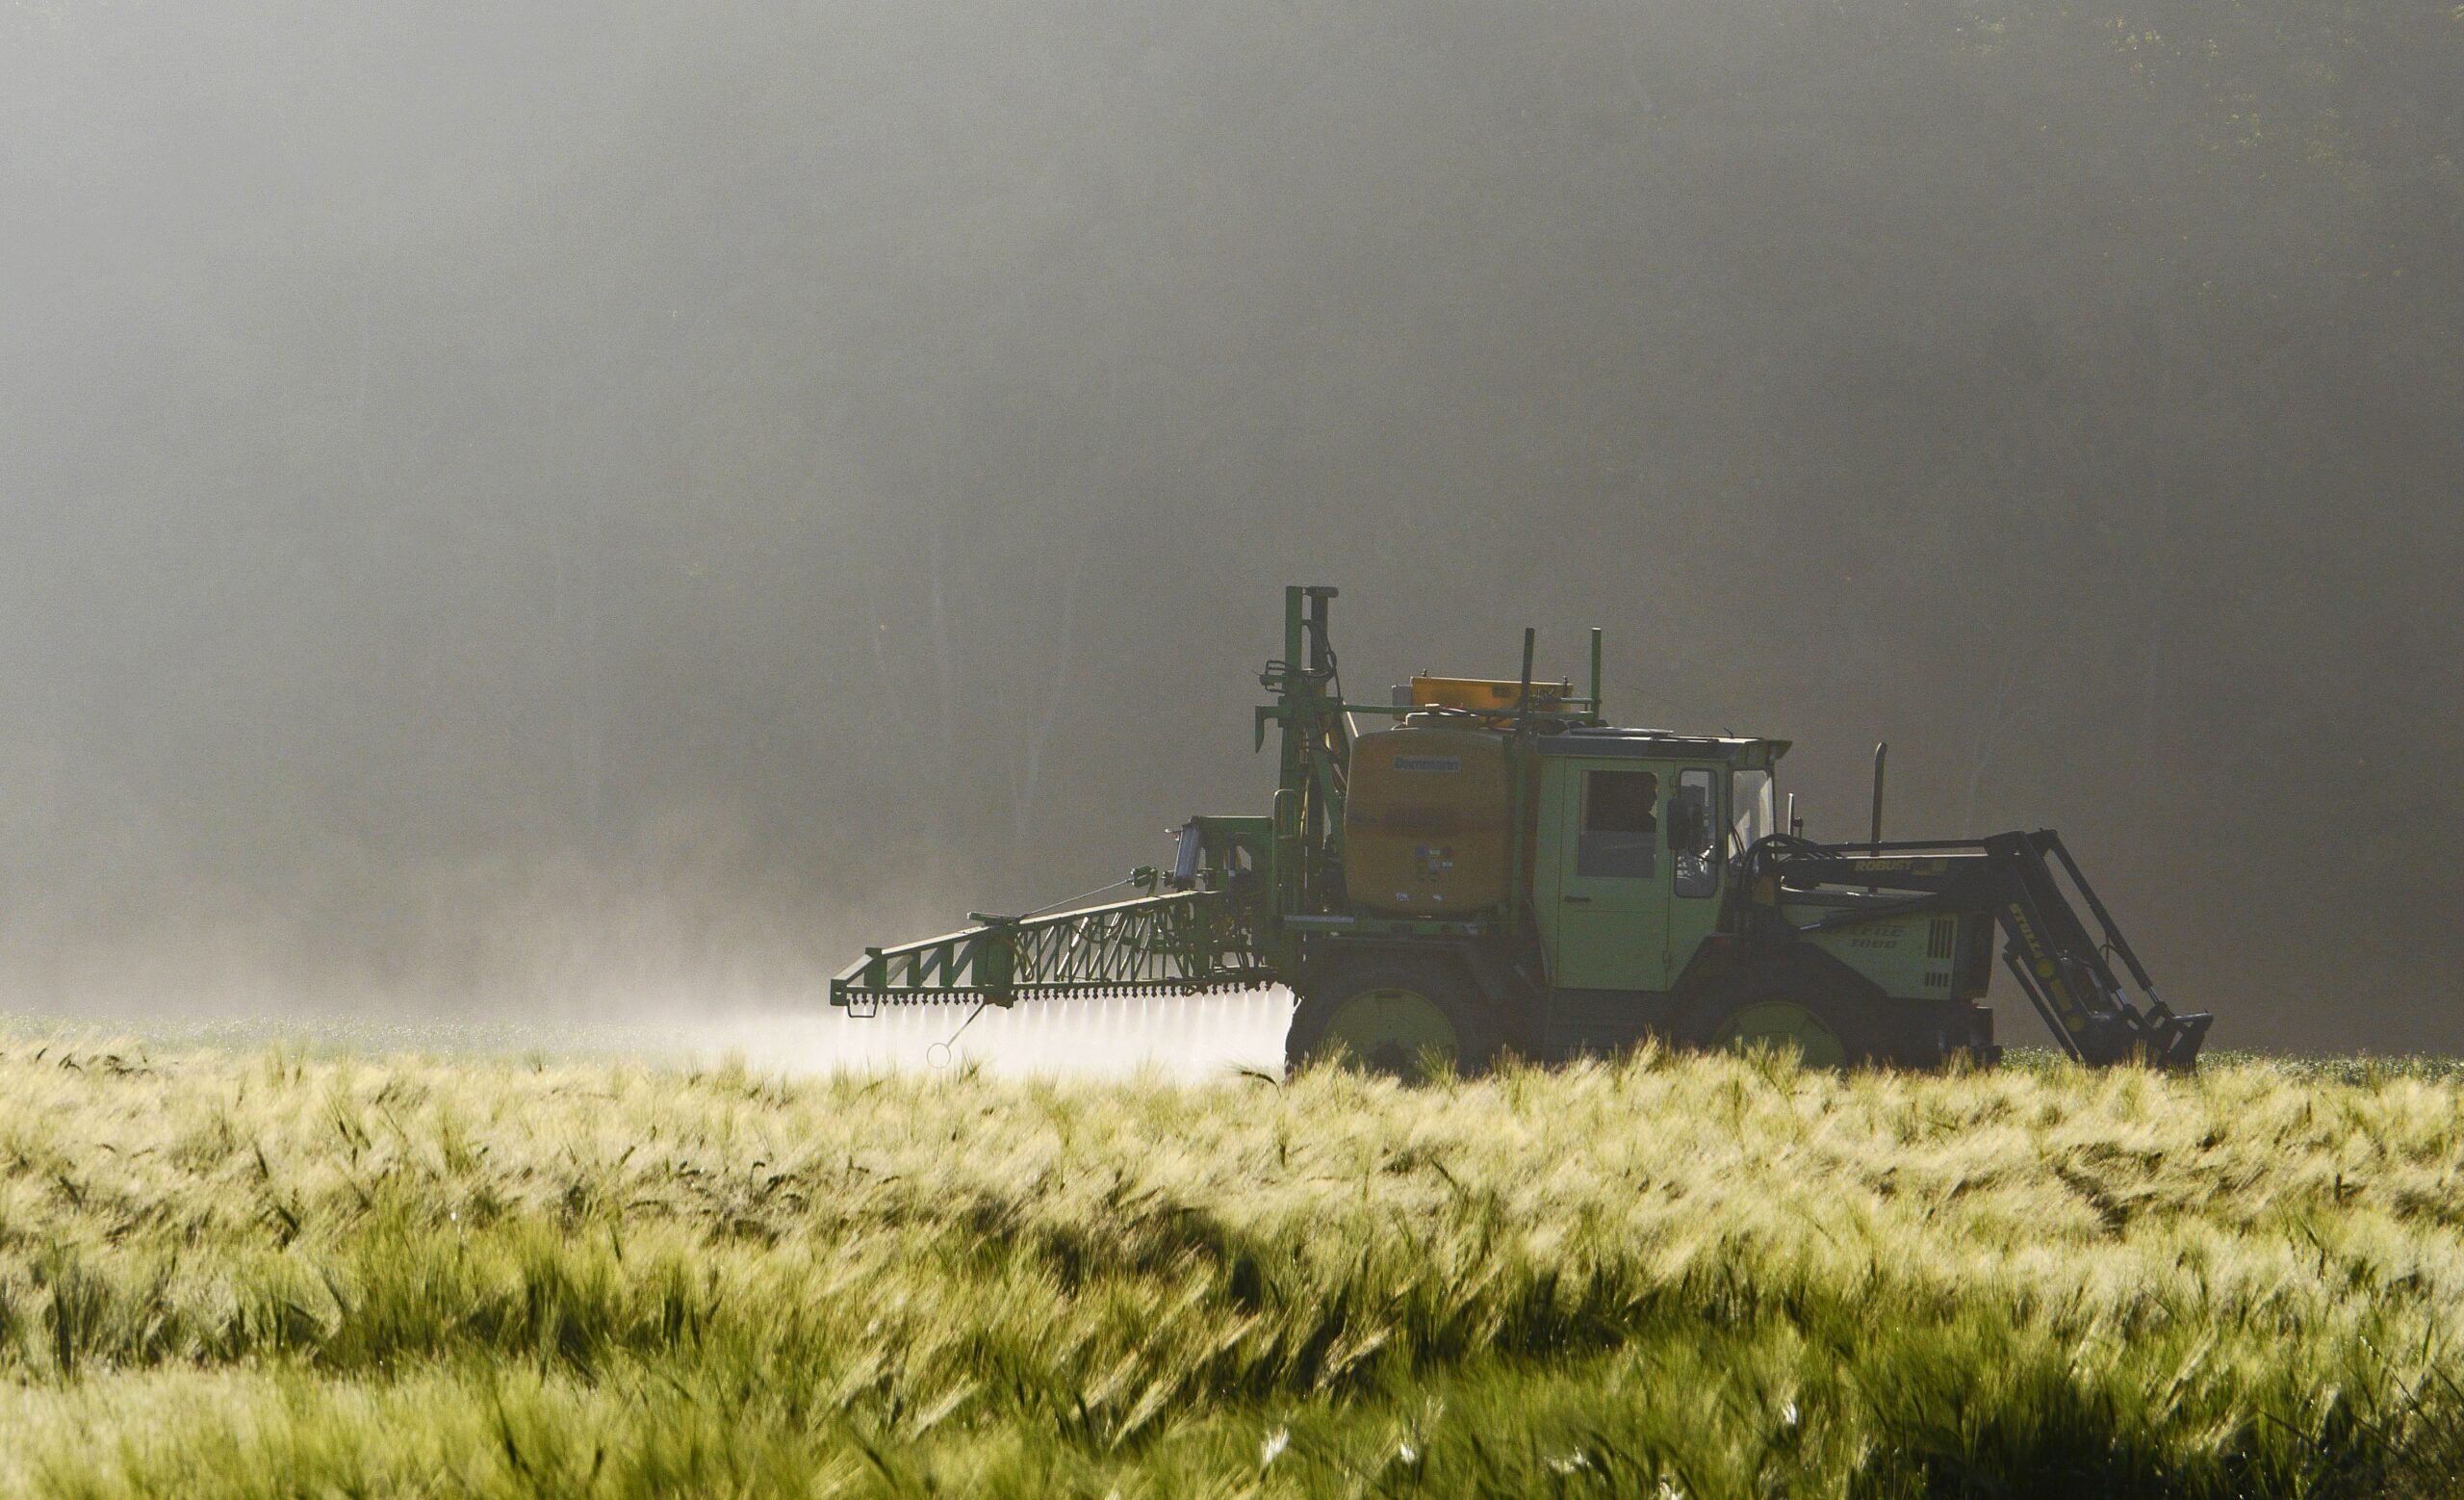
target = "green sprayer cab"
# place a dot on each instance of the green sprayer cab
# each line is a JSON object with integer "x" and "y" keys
{"x": 1480, "y": 867}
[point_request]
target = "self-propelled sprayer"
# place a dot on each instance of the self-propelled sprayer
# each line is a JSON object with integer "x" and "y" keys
{"x": 1482, "y": 867}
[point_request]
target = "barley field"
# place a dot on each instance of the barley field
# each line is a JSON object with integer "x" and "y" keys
{"x": 271, "y": 1270}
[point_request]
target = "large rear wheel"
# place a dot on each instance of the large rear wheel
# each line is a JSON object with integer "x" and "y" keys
{"x": 1406, "y": 1019}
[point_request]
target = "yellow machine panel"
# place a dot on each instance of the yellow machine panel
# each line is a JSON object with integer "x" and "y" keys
{"x": 1424, "y": 821}
{"x": 1485, "y": 694}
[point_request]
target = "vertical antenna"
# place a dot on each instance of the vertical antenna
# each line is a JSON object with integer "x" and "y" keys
{"x": 1517, "y": 753}
{"x": 1880, "y": 751}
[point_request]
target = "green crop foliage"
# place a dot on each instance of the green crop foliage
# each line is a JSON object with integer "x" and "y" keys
{"x": 270, "y": 1272}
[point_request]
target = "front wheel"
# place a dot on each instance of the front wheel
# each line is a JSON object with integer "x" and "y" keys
{"x": 1404, "y": 1019}
{"x": 1823, "y": 1026}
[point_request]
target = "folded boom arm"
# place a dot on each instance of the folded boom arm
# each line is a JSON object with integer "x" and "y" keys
{"x": 1171, "y": 943}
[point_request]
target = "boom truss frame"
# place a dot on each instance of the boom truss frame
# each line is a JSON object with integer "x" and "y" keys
{"x": 1171, "y": 943}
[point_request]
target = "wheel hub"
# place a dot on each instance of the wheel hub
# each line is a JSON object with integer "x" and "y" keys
{"x": 1783, "y": 1024}
{"x": 1393, "y": 1030}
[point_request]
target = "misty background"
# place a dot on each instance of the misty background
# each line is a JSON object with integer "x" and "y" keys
{"x": 567, "y": 509}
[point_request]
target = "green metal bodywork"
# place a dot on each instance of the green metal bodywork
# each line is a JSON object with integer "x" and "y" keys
{"x": 1621, "y": 933}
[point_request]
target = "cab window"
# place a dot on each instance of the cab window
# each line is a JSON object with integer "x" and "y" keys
{"x": 1620, "y": 837}
{"x": 1694, "y": 816}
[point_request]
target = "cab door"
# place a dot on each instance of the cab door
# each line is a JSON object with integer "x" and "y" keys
{"x": 1612, "y": 878}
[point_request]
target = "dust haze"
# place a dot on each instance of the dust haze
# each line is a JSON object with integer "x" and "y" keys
{"x": 569, "y": 510}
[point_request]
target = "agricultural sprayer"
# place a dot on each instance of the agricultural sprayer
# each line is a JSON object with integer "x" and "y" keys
{"x": 1497, "y": 868}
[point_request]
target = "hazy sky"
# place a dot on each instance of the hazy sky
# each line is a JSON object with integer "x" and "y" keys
{"x": 555, "y": 503}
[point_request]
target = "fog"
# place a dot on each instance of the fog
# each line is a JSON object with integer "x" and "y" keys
{"x": 577, "y": 510}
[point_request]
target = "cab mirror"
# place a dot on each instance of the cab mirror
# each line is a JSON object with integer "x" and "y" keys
{"x": 1684, "y": 825}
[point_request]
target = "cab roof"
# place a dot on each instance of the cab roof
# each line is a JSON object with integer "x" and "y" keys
{"x": 1614, "y": 741}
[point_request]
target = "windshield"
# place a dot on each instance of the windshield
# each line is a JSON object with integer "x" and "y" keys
{"x": 1751, "y": 817}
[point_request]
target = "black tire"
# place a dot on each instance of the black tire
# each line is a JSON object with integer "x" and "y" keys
{"x": 1392, "y": 1005}
{"x": 1832, "y": 1024}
